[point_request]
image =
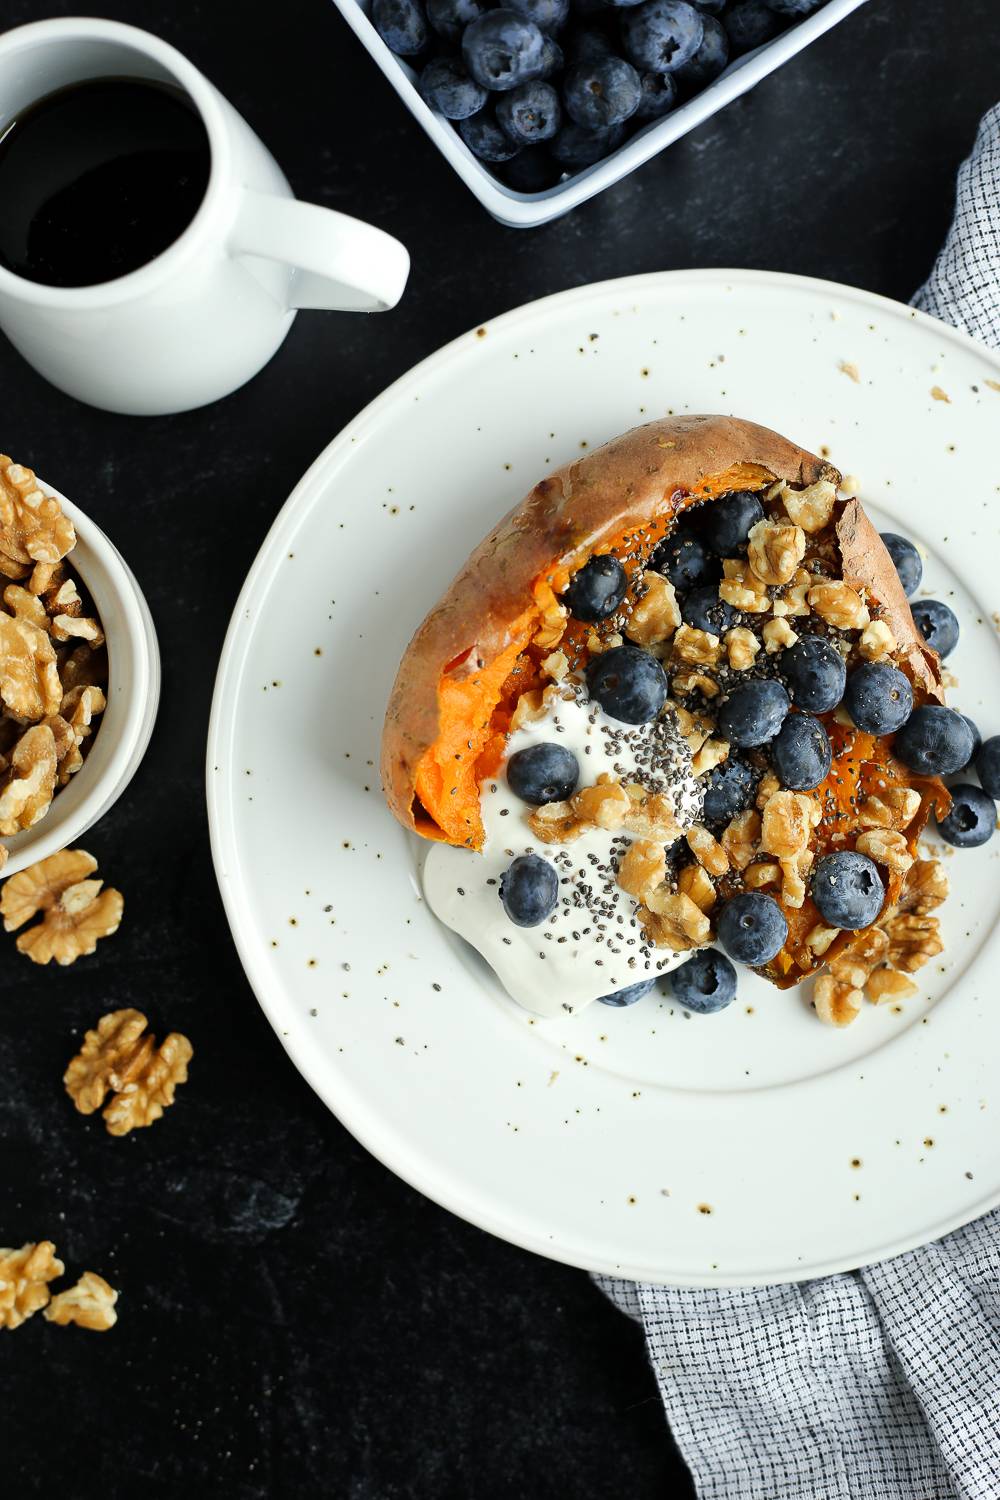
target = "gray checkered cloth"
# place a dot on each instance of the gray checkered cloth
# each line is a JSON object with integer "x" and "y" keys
{"x": 882, "y": 1384}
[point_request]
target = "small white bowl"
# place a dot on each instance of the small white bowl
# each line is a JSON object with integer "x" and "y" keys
{"x": 122, "y": 732}
{"x": 527, "y": 210}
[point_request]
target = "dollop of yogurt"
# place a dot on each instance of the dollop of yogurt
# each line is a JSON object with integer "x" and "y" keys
{"x": 592, "y": 944}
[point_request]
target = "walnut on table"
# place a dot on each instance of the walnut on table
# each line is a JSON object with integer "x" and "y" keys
{"x": 122, "y": 1058}
{"x": 24, "y": 1278}
{"x": 89, "y": 1304}
{"x": 77, "y": 913}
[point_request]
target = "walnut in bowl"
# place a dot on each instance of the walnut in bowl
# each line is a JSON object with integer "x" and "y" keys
{"x": 79, "y": 671}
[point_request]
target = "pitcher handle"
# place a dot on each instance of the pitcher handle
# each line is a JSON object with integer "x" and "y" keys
{"x": 340, "y": 263}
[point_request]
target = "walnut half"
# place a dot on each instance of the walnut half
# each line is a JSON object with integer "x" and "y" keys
{"x": 76, "y": 912}
{"x": 89, "y": 1304}
{"x": 121, "y": 1058}
{"x": 24, "y": 1278}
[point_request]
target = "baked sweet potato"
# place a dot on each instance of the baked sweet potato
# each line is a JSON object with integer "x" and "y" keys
{"x": 488, "y": 642}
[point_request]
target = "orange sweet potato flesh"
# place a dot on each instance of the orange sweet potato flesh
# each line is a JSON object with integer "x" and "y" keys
{"x": 474, "y": 654}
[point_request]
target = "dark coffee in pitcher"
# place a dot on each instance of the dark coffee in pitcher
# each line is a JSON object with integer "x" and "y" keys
{"x": 98, "y": 179}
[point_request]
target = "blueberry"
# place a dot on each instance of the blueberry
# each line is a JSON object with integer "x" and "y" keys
{"x": 728, "y": 791}
{"x": 401, "y": 24}
{"x": 905, "y": 559}
{"x": 574, "y": 146}
{"x": 711, "y": 58}
{"x": 705, "y": 983}
{"x": 816, "y": 674}
{"x": 450, "y": 17}
{"x": 661, "y": 35}
{"x": 977, "y": 741}
{"x": 937, "y": 624}
{"x": 794, "y": 7}
{"x": 934, "y": 741}
{"x": 752, "y": 928}
{"x": 485, "y": 139}
{"x": 447, "y": 87}
{"x": 603, "y": 93}
{"x": 630, "y": 994}
{"x": 683, "y": 557}
{"x": 972, "y": 819}
{"x": 801, "y": 753}
{"x": 587, "y": 46}
{"x": 597, "y": 589}
{"x": 530, "y": 113}
{"x": 728, "y": 522}
{"x": 549, "y": 16}
{"x": 542, "y": 773}
{"x": 529, "y": 890}
{"x": 753, "y": 712}
{"x": 709, "y": 7}
{"x": 750, "y": 24}
{"x": 703, "y": 609}
{"x": 629, "y": 684}
{"x": 501, "y": 50}
{"x": 847, "y": 890}
{"x": 552, "y": 58}
{"x": 988, "y": 766}
{"x": 530, "y": 171}
{"x": 658, "y": 97}
{"x": 878, "y": 697}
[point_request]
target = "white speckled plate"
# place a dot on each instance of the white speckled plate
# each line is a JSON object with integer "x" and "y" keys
{"x": 752, "y": 1146}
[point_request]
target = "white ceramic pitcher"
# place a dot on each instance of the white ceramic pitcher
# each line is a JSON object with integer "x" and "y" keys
{"x": 208, "y": 312}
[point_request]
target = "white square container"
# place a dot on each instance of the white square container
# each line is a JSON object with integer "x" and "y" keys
{"x": 526, "y": 210}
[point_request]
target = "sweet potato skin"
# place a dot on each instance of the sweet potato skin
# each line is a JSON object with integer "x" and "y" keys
{"x": 645, "y": 475}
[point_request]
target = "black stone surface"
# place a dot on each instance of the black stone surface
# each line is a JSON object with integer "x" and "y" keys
{"x": 293, "y": 1319}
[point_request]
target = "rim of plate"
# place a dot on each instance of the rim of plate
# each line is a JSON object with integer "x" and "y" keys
{"x": 427, "y": 1175}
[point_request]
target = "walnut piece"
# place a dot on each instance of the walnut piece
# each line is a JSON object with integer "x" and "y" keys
{"x": 552, "y": 627}
{"x": 819, "y": 938}
{"x": 885, "y": 847}
{"x": 794, "y": 869}
{"x": 856, "y": 962}
{"x": 839, "y": 605}
{"x": 529, "y": 708}
{"x": 89, "y": 1304}
{"x": 29, "y": 782}
{"x": 876, "y": 641}
{"x": 836, "y": 1004}
{"x": 761, "y": 873}
{"x": 698, "y": 648}
{"x": 769, "y": 784}
{"x": 119, "y": 1056}
{"x": 695, "y": 682}
{"x": 741, "y": 648}
{"x": 913, "y": 941}
{"x": 792, "y": 598}
{"x": 711, "y": 754}
{"x": 741, "y": 838}
{"x": 29, "y": 676}
{"x": 786, "y": 822}
{"x": 887, "y": 984}
{"x": 25, "y": 605}
{"x": 651, "y": 815}
{"x": 694, "y": 728}
{"x": 24, "y": 1278}
{"x": 707, "y": 851}
{"x": 812, "y": 507}
{"x": 672, "y": 920}
{"x": 605, "y": 805}
{"x": 32, "y": 525}
{"x": 695, "y": 883}
{"x": 77, "y": 913}
{"x": 642, "y": 869}
{"x": 925, "y": 887}
{"x": 774, "y": 551}
{"x": 555, "y": 665}
{"x": 895, "y": 808}
{"x": 741, "y": 587}
{"x": 656, "y": 614}
{"x": 778, "y": 636}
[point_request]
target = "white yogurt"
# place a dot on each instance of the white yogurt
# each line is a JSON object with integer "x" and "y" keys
{"x": 592, "y": 945}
